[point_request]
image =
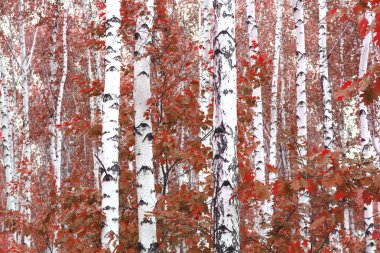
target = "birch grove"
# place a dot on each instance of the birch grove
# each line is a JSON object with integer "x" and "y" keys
{"x": 189, "y": 126}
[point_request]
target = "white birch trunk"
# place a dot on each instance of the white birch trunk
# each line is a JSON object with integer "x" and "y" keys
{"x": 146, "y": 195}
{"x": 225, "y": 165}
{"x": 328, "y": 133}
{"x": 110, "y": 132}
{"x": 52, "y": 80}
{"x": 258, "y": 130}
{"x": 284, "y": 152}
{"x": 205, "y": 83}
{"x": 324, "y": 76}
{"x": 58, "y": 161}
{"x": 365, "y": 137}
{"x": 14, "y": 132}
{"x": 301, "y": 112}
{"x": 346, "y": 217}
{"x": 25, "y": 209}
{"x": 259, "y": 155}
{"x": 10, "y": 173}
{"x": 352, "y": 223}
{"x": 97, "y": 65}
{"x": 56, "y": 128}
{"x": 274, "y": 92}
{"x": 345, "y": 134}
{"x": 94, "y": 101}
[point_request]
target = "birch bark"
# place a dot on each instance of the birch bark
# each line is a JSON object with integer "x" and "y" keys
{"x": 301, "y": 112}
{"x": 25, "y": 208}
{"x": 205, "y": 84}
{"x": 258, "y": 131}
{"x": 283, "y": 150}
{"x": 10, "y": 173}
{"x": 52, "y": 80}
{"x": 225, "y": 165}
{"x": 327, "y": 105}
{"x": 94, "y": 100}
{"x": 365, "y": 137}
{"x": 345, "y": 133}
{"x": 274, "y": 92}
{"x": 58, "y": 129}
{"x": 324, "y": 76}
{"x": 146, "y": 195}
{"x": 110, "y": 132}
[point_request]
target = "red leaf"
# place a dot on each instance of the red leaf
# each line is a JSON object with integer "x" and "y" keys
{"x": 346, "y": 84}
{"x": 325, "y": 152}
{"x": 311, "y": 186}
{"x": 332, "y": 11}
{"x": 363, "y": 27}
{"x": 339, "y": 195}
{"x": 248, "y": 176}
{"x": 343, "y": 18}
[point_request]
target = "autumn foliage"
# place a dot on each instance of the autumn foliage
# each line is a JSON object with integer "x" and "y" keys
{"x": 336, "y": 181}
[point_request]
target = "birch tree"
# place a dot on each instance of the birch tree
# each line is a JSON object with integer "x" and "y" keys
{"x": 365, "y": 137}
{"x": 59, "y": 137}
{"x": 258, "y": 131}
{"x": 274, "y": 89}
{"x": 146, "y": 195}
{"x": 324, "y": 76}
{"x": 25, "y": 110}
{"x": 25, "y": 63}
{"x": 225, "y": 165}
{"x": 110, "y": 132}
{"x": 10, "y": 173}
{"x": 344, "y": 134}
{"x": 52, "y": 80}
{"x": 284, "y": 160}
{"x": 328, "y": 133}
{"x": 205, "y": 83}
{"x": 301, "y": 112}
{"x": 274, "y": 92}
{"x": 94, "y": 100}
